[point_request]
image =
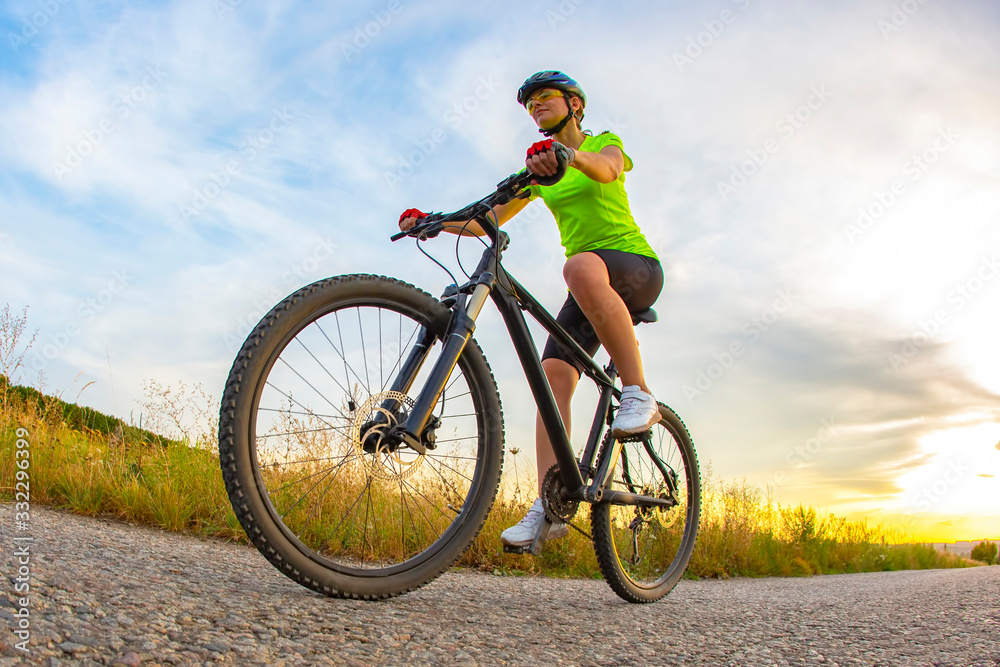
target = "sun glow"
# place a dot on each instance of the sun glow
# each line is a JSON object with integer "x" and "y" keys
{"x": 959, "y": 482}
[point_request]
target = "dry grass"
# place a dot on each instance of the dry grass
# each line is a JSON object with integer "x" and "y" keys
{"x": 177, "y": 484}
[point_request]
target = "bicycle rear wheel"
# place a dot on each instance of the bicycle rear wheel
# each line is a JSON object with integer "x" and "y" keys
{"x": 643, "y": 551}
{"x": 320, "y": 495}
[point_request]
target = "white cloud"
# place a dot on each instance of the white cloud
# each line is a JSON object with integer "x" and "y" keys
{"x": 356, "y": 114}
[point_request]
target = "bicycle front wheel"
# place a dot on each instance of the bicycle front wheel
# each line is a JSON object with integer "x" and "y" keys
{"x": 318, "y": 492}
{"x": 643, "y": 551}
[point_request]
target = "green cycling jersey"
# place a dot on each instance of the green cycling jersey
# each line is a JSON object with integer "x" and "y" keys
{"x": 592, "y": 215}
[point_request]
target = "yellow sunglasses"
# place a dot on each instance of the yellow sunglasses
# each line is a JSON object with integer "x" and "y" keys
{"x": 543, "y": 96}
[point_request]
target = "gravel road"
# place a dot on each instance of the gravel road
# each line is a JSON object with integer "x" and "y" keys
{"x": 106, "y": 592}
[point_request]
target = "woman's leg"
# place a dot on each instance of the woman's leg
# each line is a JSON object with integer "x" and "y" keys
{"x": 563, "y": 379}
{"x": 587, "y": 277}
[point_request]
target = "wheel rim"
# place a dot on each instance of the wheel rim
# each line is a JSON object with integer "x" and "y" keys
{"x": 648, "y": 541}
{"x": 351, "y": 510}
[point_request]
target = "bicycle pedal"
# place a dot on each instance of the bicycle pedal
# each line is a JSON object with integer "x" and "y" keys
{"x": 512, "y": 549}
{"x": 535, "y": 548}
{"x": 636, "y": 437}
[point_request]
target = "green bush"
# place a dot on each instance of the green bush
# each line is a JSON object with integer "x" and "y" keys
{"x": 985, "y": 552}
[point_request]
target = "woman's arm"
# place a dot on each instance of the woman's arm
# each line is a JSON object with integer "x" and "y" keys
{"x": 603, "y": 167}
{"x": 503, "y": 212}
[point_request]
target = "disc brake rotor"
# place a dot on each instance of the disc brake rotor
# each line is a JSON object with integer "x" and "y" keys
{"x": 389, "y": 462}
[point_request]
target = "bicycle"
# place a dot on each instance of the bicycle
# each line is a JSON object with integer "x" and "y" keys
{"x": 353, "y": 489}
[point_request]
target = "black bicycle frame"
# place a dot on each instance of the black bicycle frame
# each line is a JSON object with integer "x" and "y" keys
{"x": 510, "y": 298}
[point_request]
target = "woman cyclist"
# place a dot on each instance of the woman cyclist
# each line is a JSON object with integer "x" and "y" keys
{"x": 611, "y": 271}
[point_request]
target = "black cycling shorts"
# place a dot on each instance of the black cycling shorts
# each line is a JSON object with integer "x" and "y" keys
{"x": 636, "y": 278}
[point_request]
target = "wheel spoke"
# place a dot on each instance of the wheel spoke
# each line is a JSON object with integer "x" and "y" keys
{"x": 339, "y": 429}
{"x": 289, "y": 397}
{"x": 322, "y": 547}
{"x": 399, "y": 358}
{"x": 343, "y": 460}
{"x": 309, "y": 352}
{"x": 364, "y": 352}
{"x": 303, "y": 496}
{"x": 381, "y": 379}
{"x": 448, "y": 483}
{"x": 454, "y": 470}
{"x": 340, "y": 336}
{"x": 422, "y": 513}
{"x": 298, "y": 412}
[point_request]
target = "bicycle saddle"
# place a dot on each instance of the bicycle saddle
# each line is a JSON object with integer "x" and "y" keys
{"x": 648, "y": 315}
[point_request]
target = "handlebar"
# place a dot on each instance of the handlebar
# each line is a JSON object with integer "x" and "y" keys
{"x": 508, "y": 189}
{"x": 428, "y": 229}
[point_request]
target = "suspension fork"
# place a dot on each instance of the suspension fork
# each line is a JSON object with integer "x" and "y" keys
{"x": 414, "y": 362}
{"x": 463, "y": 323}
{"x": 407, "y": 374}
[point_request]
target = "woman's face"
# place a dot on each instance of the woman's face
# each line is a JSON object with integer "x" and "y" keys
{"x": 548, "y": 107}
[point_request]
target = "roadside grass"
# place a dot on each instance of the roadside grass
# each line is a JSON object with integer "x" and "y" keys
{"x": 88, "y": 463}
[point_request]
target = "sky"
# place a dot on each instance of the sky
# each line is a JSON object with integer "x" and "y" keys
{"x": 820, "y": 180}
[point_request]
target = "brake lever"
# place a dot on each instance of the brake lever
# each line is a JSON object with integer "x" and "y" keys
{"x": 423, "y": 231}
{"x": 512, "y": 187}
{"x": 430, "y": 231}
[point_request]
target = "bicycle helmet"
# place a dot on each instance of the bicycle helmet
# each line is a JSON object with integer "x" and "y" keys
{"x": 559, "y": 81}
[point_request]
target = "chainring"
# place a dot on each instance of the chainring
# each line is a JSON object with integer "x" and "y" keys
{"x": 558, "y": 509}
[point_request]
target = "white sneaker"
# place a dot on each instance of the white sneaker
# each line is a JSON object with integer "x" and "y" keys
{"x": 525, "y": 531}
{"x": 638, "y": 412}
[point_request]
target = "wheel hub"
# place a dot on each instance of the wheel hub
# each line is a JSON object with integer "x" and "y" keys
{"x": 374, "y": 438}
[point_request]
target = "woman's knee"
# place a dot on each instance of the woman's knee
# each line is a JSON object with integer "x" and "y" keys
{"x": 585, "y": 271}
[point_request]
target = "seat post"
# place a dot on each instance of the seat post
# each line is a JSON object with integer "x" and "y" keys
{"x": 600, "y": 420}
